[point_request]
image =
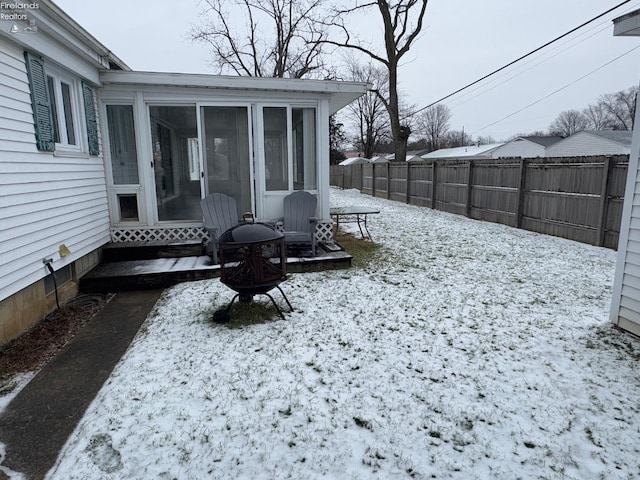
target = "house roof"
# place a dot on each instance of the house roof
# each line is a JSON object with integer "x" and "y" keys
{"x": 410, "y": 154}
{"x": 340, "y": 93}
{"x": 627, "y": 25}
{"x": 467, "y": 151}
{"x": 623, "y": 137}
{"x": 545, "y": 141}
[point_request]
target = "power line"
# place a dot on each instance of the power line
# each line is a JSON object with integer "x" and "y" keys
{"x": 558, "y": 90}
{"x": 461, "y": 100}
{"x": 524, "y": 56}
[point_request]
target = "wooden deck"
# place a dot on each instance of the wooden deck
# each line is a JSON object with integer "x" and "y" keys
{"x": 141, "y": 266}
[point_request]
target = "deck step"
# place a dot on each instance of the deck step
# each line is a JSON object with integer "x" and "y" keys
{"x": 124, "y": 251}
{"x": 146, "y": 274}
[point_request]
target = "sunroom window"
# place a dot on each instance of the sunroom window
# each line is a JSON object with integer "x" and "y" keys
{"x": 276, "y": 148}
{"x": 290, "y": 148}
{"x": 303, "y": 124}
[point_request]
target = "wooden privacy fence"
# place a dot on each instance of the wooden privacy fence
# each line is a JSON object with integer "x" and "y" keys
{"x": 576, "y": 198}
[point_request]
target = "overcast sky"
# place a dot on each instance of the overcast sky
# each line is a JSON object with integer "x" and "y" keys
{"x": 462, "y": 41}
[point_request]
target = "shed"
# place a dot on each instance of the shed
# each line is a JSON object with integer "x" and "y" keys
{"x": 525, "y": 147}
{"x": 354, "y": 161}
{"x": 379, "y": 160}
{"x": 93, "y": 152}
{"x": 625, "y": 303}
{"x": 592, "y": 142}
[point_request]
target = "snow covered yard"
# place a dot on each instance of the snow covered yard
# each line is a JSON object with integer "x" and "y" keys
{"x": 461, "y": 350}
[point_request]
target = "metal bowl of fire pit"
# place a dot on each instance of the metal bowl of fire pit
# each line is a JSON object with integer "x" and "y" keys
{"x": 252, "y": 262}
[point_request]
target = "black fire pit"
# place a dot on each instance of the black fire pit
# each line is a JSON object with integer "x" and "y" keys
{"x": 252, "y": 262}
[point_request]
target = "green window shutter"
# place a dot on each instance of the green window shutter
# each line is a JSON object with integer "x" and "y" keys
{"x": 92, "y": 123}
{"x": 40, "y": 102}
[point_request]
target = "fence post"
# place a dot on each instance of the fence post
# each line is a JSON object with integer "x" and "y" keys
{"x": 408, "y": 177}
{"x": 521, "y": 192}
{"x": 434, "y": 181}
{"x": 469, "y": 185}
{"x": 373, "y": 179}
{"x": 604, "y": 202}
{"x": 388, "y": 180}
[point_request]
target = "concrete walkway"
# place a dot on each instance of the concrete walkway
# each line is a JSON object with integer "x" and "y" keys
{"x": 36, "y": 424}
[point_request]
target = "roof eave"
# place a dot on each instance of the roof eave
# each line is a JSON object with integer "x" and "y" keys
{"x": 627, "y": 25}
{"x": 340, "y": 93}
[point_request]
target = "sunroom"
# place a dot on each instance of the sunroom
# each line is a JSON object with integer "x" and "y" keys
{"x": 171, "y": 139}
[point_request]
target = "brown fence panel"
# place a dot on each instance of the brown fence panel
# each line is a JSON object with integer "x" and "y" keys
{"x": 421, "y": 185}
{"x": 381, "y": 171}
{"x": 451, "y": 187}
{"x": 494, "y": 191}
{"x": 336, "y": 175}
{"x": 613, "y": 213}
{"x": 367, "y": 179}
{"x": 562, "y": 198}
{"x": 576, "y": 198}
{"x": 398, "y": 181}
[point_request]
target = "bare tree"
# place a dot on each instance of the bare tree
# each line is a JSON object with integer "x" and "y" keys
{"x": 433, "y": 123}
{"x": 485, "y": 140}
{"x": 568, "y": 123}
{"x": 535, "y": 133}
{"x": 402, "y": 23}
{"x": 456, "y": 138}
{"x": 621, "y": 107}
{"x": 281, "y": 37}
{"x": 368, "y": 113}
{"x": 598, "y": 117}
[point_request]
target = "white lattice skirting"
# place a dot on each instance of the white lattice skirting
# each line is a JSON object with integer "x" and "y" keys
{"x": 157, "y": 234}
{"x": 324, "y": 233}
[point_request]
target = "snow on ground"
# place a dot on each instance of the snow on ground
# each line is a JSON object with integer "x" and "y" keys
{"x": 462, "y": 350}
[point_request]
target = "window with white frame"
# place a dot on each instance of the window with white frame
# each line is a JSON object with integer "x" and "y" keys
{"x": 290, "y": 154}
{"x": 64, "y": 109}
{"x": 64, "y": 95}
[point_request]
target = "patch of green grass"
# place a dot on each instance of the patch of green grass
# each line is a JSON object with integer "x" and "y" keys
{"x": 259, "y": 311}
{"x": 364, "y": 252}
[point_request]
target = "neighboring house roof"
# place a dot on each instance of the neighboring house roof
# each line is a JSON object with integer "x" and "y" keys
{"x": 592, "y": 142}
{"x": 410, "y": 154}
{"x": 545, "y": 141}
{"x": 525, "y": 147}
{"x": 623, "y": 137}
{"x": 467, "y": 151}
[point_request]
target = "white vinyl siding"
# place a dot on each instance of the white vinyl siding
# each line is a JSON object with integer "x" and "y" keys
{"x": 16, "y": 119}
{"x": 625, "y": 302}
{"x": 46, "y": 199}
{"x": 519, "y": 148}
{"x": 629, "y": 313}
